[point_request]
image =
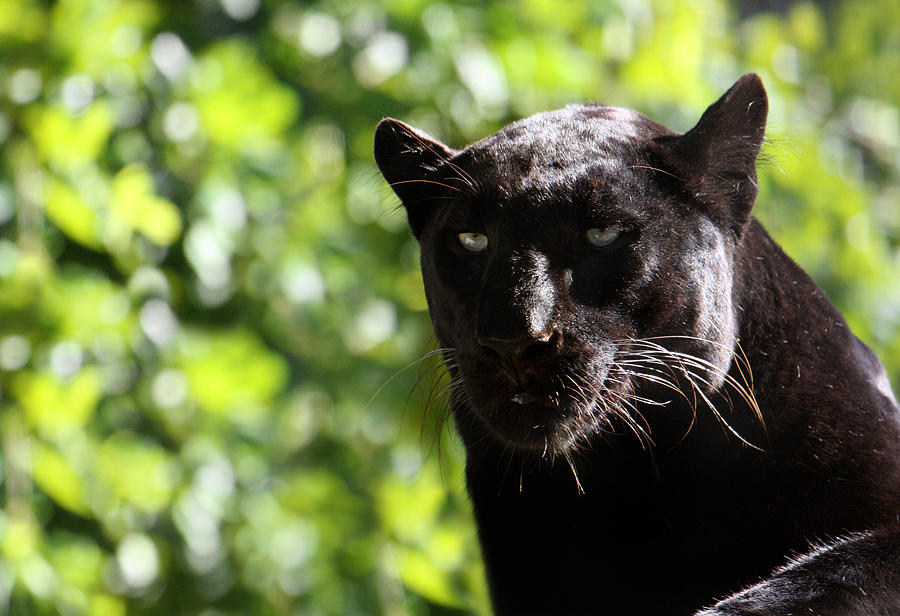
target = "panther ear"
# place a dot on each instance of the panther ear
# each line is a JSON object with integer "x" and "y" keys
{"x": 717, "y": 158}
{"x": 407, "y": 159}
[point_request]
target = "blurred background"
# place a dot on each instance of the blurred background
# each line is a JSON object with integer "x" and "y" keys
{"x": 208, "y": 295}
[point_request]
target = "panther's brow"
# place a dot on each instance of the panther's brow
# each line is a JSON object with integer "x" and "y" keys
{"x": 611, "y": 210}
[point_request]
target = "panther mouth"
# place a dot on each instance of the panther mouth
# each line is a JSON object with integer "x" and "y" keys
{"x": 536, "y": 421}
{"x": 538, "y": 406}
{"x": 524, "y": 397}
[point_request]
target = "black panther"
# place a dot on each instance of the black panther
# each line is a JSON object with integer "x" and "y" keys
{"x": 662, "y": 413}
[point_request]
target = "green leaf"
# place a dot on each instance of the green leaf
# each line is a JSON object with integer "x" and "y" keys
{"x": 23, "y": 20}
{"x": 20, "y": 538}
{"x": 135, "y": 205}
{"x": 77, "y": 560}
{"x": 56, "y": 476}
{"x": 231, "y": 371}
{"x": 68, "y": 211}
{"x": 239, "y": 100}
{"x": 136, "y": 471}
{"x": 56, "y": 408}
{"x": 419, "y": 573}
{"x": 66, "y": 141}
{"x": 409, "y": 510}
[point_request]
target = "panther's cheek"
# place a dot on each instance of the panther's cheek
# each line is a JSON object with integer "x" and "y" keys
{"x": 448, "y": 317}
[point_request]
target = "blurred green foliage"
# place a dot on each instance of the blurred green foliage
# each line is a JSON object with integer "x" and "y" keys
{"x": 204, "y": 283}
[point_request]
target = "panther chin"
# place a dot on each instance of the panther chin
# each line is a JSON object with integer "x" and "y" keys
{"x": 545, "y": 424}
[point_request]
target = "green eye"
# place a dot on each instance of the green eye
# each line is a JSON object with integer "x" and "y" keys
{"x": 604, "y": 236}
{"x": 473, "y": 242}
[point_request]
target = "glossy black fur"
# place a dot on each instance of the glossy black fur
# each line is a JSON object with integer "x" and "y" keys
{"x": 600, "y": 491}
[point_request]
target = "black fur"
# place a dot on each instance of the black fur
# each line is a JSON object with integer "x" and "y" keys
{"x": 658, "y": 423}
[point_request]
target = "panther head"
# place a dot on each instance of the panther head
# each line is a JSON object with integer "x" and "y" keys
{"x": 578, "y": 263}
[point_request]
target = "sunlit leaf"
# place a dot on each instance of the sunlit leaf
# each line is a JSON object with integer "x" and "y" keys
{"x": 55, "y": 476}
{"x": 23, "y": 20}
{"x": 239, "y": 99}
{"x": 90, "y": 307}
{"x": 103, "y": 604}
{"x": 67, "y": 141}
{"x": 807, "y": 25}
{"x": 137, "y": 472}
{"x": 20, "y": 538}
{"x": 117, "y": 30}
{"x": 408, "y": 510}
{"x": 77, "y": 560}
{"x": 135, "y": 204}
{"x": 55, "y": 407}
{"x": 66, "y": 208}
{"x": 232, "y": 370}
{"x": 30, "y": 274}
{"x": 669, "y": 55}
{"x": 421, "y": 575}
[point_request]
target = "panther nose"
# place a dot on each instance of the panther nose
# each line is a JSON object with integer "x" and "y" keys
{"x": 522, "y": 347}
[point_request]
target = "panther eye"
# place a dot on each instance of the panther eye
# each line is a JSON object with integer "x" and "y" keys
{"x": 473, "y": 242}
{"x": 603, "y": 236}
